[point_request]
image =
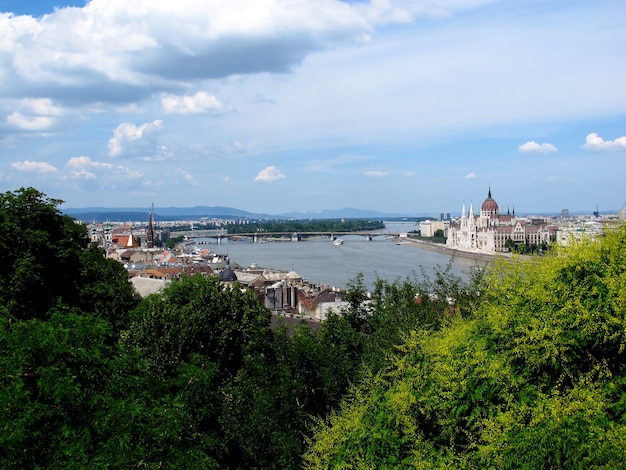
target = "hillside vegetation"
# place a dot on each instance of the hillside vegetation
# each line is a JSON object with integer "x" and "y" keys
{"x": 534, "y": 378}
{"x": 520, "y": 368}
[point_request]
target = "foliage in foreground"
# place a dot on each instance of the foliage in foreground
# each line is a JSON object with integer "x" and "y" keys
{"x": 522, "y": 369}
{"x": 193, "y": 377}
{"x": 535, "y": 378}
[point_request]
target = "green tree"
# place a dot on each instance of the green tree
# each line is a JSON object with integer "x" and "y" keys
{"x": 266, "y": 406}
{"x": 104, "y": 288}
{"x": 358, "y": 312}
{"x": 198, "y": 315}
{"x": 46, "y": 261}
{"x": 191, "y": 342}
{"x": 51, "y": 378}
{"x": 534, "y": 377}
{"x": 171, "y": 242}
{"x": 509, "y": 244}
{"x": 62, "y": 306}
{"x": 270, "y": 405}
{"x": 39, "y": 254}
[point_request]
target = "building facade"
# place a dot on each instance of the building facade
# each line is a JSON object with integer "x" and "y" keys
{"x": 490, "y": 231}
{"x": 428, "y": 228}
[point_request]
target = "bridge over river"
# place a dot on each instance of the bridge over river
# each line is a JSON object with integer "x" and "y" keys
{"x": 256, "y": 237}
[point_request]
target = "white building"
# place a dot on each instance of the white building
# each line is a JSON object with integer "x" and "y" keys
{"x": 429, "y": 227}
{"x": 489, "y": 231}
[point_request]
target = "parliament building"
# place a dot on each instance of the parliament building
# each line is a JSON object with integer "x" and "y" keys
{"x": 489, "y": 231}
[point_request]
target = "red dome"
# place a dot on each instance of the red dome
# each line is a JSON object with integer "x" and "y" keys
{"x": 490, "y": 205}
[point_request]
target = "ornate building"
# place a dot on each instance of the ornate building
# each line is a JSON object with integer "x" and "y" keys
{"x": 489, "y": 231}
{"x": 104, "y": 236}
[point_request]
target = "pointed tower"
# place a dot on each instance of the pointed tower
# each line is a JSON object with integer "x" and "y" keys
{"x": 463, "y": 219}
{"x": 131, "y": 239}
{"x": 108, "y": 233}
{"x": 489, "y": 209}
{"x": 94, "y": 232}
{"x": 150, "y": 231}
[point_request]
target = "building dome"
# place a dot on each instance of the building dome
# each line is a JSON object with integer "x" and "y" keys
{"x": 227, "y": 274}
{"x": 490, "y": 206}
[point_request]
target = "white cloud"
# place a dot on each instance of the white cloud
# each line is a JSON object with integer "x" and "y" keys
{"x": 131, "y": 140}
{"x": 199, "y": 103}
{"x": 34, "y": 167}
{"x": 376, "y": 174}
{"x": 40, "y": 106}
{"x": 83, "y": 162}
{"x": 470, "y": 176}
{"x": 595, "y": 142}
{"x": 33, "y": 114}
{"x": 127, "y": 173}
{"x": 86, "y": 168}
{"x": 534, "y": 147}
{"x": 82, "y": 174}
{"x": 271, "y": 173}
{"x": 184, "y": 176}
{"x": 146, "y": 44}
{"x": 29, "y": 123}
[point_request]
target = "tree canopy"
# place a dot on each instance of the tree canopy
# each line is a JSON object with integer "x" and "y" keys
{"x": 535, "y": 377}
{"x": 304, "y": 226}
{"x": 44, "y": 263}
{"x": 523, "y": 366}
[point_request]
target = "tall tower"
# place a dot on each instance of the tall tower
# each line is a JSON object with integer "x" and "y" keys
{"x": 94, "y": 232}
{"x": 108, "y": 234}
{"x": 150, "y": 231}
{"x": 472, "y": 219}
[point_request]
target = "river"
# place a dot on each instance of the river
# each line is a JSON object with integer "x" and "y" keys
{"x": 319, "y": 261}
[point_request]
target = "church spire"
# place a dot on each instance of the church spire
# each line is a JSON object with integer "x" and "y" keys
{"x": 94, "y": 232}
{"x": 150, "y": 231}
{"x": 131, "y": 239}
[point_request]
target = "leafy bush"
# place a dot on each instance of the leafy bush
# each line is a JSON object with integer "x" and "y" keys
{"x": 533, "y": 378}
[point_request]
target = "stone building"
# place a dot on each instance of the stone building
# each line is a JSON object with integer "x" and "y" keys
{"x": 489, "y": 231}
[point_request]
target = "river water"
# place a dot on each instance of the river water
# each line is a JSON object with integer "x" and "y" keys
{"x": 319, "y": 261}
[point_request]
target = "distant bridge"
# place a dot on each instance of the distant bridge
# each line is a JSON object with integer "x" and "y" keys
{"x": 277, "y": 236}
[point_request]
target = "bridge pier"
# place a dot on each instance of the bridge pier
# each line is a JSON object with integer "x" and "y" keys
{"x": 219, "y": 239}
{"x": 295, "y": 237}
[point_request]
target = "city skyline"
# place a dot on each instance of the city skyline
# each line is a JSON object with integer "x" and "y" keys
{"x": 274, "y": 106}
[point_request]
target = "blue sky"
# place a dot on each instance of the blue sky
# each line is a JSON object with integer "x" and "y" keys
{"x": 275, "y": 106}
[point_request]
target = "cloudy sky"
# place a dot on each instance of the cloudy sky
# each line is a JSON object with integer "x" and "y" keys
{"x": 271, "y": 106}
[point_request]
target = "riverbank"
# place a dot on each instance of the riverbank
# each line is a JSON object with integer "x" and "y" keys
{"x": 441, "y": 248}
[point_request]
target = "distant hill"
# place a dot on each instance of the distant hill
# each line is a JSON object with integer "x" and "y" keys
{"x": 347, "y": 212}
{"x": 101, "y": 214}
